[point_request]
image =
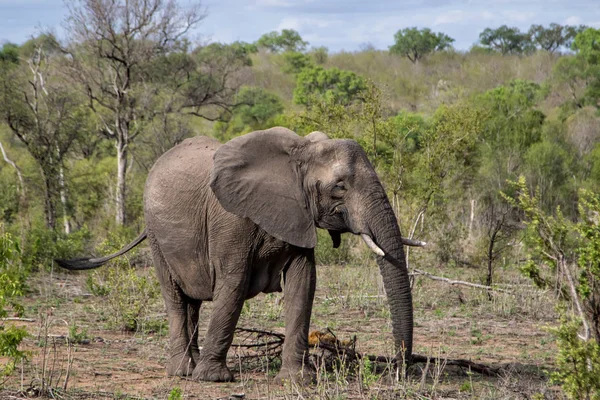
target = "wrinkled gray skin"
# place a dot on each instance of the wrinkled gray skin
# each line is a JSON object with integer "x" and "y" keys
{"x": 225, "y": 221}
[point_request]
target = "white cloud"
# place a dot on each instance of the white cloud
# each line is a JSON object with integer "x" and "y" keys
{"x": 273, "y": 3}
{"x": 518, "y": 16}
{"x": 303, "y": 23}
{"x": 573, "y": 20}
{"x": 461, "y": 17}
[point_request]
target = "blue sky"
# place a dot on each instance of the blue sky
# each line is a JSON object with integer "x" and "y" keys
{"x": 336, "y": 24}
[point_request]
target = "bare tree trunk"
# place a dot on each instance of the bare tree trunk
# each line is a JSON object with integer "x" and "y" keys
{"x": 49, "y": 206}
{"x": 21, "y": 187}
{"x": 63, "y": 200}
{"x": 121, "y": 183}
{"x": 472, "y": 217}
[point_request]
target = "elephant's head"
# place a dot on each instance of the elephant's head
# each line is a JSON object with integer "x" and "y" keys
{"x": 289, "y": 185}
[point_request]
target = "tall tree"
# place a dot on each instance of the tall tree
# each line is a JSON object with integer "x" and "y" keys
{"x": 336, "y": 85}
{"x": 117, "y": 50}
{"x": 506, "y": 40}
{"x": 554, "y": 36}
{"x": 415, "y": 44}
{"x": 287, "y": 40}
{"x": 45, "y": 114}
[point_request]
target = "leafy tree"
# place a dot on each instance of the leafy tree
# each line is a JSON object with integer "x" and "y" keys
{"x": 296, "y": 62}
{"x": 256, "y": 110}
{"x": 9, "y": 53}
{"x": 319, "y": 54}
{"x": 132, "y": 61}
{"x": 45, "y": 114}
{"x": 565, "y": 255}
{"x": 287, "y": 40}
{"x": 581, "y": 73}
{"x": 513, "y": 123}
{"x": 339, "y": 86}
{"x": 554, "y": 36}
{"x": 505, "y": 40}
{"x": 12, "y": 286}
{"x": 415, "y": 44}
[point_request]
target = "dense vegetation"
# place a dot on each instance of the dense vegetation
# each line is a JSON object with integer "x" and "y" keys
{"x": 486, "y": 155}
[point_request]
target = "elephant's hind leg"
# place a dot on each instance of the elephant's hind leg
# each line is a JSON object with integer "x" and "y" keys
{"x": 193, "y": 315}
{"x": 183, "y": 319}
{"x": 227, "y": 308}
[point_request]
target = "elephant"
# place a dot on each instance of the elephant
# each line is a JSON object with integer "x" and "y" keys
{"x": 226, "y": 222}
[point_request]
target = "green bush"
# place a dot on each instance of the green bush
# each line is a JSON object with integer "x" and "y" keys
{"x": 12, "y": 286}
{"x": 578, "y": 362}
{"x": 129, "y": 293}
{"x": 43, "y": 245}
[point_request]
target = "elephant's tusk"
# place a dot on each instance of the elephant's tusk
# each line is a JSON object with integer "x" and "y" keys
{"x": 376, "y": 249}
{"x": 414, "y": 243}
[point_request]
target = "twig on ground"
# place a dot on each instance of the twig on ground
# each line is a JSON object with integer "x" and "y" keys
{"x": 455, "y": 282}
{"x": 18, "y": 319}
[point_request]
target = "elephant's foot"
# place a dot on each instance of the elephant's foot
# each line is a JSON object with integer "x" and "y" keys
{"x": 181, "y": 366}
{"x": 212, "y": 371}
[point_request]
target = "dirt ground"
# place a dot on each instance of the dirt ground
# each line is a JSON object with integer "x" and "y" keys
{"x": 508, "y": 332}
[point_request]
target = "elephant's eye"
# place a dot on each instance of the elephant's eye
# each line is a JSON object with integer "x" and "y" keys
{"x": 338, "y": 190}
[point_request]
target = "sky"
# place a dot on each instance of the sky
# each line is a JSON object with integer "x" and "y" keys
{"x": 347, "y": 25}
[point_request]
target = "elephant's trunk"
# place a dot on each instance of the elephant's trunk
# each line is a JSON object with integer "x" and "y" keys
{"x": 386, "y": 235}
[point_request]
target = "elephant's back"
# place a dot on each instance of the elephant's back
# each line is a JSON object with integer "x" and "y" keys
{"x": 177, "y": 189}
{"x": 181, "y": 172}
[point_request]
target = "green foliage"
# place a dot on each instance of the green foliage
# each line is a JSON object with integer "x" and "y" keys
{"x": 129, "y": 293}
{"x": 9, "y": 53}
{"x": 325, "y": 254}
{"x": 12, "y": 286}
{"x": 587, "y": 45}
{"x": 76, "y": 334}
{"x": 175, "y": 394}
{"x": 296, "y": 62}
{"x": 333, "y": 84}
{"x": 554, "y": 36}
{"x": 566, "y": 255}
{"x": 319, "y": 54}
{"x": 415, "y": 44}
{"x": 256, "y": 110}
{"x": 506, "y": 40}
{"x": 287, "y": 40}
{"x": 513, "y": 122}
{"x": 578, "y": 362}
{"x": 43, "y": 245}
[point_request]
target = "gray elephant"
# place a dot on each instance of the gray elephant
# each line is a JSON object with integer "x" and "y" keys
{"x": 227, "y": 222}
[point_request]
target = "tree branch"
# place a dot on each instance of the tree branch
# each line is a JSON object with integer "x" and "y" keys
{"x": 455, "y": 282}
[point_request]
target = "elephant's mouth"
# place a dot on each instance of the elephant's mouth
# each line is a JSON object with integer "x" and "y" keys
{"x": 336, "y": 237}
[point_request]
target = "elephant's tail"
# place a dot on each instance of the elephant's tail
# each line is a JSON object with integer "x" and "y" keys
{"x": 91, "y": 263}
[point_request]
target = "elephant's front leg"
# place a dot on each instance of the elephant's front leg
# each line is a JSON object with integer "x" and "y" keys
{"x": 300, "y": 280}
{"x": 229, "y": 299}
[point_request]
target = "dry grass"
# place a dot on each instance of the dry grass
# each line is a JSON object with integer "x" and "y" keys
{"x": 451, "y": 322}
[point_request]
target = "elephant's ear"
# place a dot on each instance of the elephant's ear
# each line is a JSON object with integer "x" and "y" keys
{"x": 316, "y": 136}
{"x": 255, "y": 177}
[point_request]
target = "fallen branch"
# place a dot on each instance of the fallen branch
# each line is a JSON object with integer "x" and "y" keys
{"x": 252, "y": 348}
{"x": 18, "y": 319}
{"x": 455, "y": 282}
{"x": 473, "y": 366}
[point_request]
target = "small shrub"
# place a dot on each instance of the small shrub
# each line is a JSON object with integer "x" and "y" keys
{"x": 12, "y": 285}
{"x": 43, "y": 245}
{"x": 129, "y": 294}
{"x": 578, "y": 362}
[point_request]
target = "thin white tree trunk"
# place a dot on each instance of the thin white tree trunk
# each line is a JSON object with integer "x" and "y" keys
{"x": 121, "y": 184}
{"x": 472, "y": 217}
{"x": 21, "y": 187}
{"x": 63, "y": 200}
